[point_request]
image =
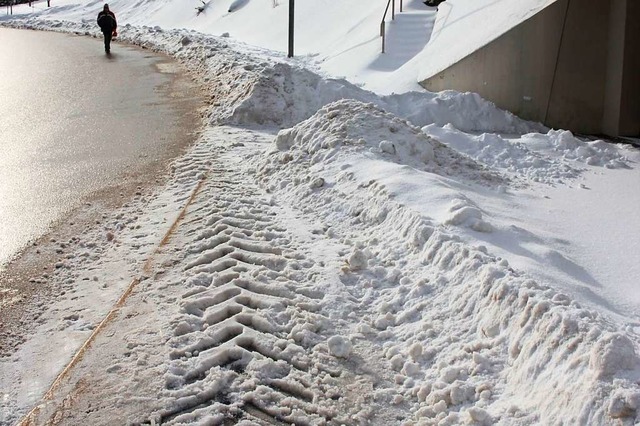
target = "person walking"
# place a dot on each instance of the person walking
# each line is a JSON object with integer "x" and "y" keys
{"x": 108, "y": 26}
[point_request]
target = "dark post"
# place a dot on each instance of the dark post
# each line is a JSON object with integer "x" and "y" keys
{"x": 48, "y": 3}
{"x": 291, "y": 15}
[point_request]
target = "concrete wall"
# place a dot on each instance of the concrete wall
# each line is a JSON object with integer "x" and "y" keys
{"x": 615, "y": 59}
{"x": 574, "y": 65}
{"x": 516, "y": 70}
{"x": 630, "y": 98}
{"x": 577, "y": 95}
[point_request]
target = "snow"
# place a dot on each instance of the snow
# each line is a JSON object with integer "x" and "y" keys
{"x": 344, "y": 253}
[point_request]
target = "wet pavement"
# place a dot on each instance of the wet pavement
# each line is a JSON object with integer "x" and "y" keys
{"x": 75, "y": 123}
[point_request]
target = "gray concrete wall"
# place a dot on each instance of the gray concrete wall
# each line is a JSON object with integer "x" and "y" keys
{"x": 630, "y": 97}
{"x": 516, "y": 70}
{"x": 574, "y": 65}
{"x": 615, "y": 59}
{"x": 577, "y": 98}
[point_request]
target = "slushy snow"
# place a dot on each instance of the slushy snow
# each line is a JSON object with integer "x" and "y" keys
{"x": 345, "y": 256}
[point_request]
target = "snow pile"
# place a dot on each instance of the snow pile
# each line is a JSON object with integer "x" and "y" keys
{"x": 538, "y": 157}
{"x": 594, "y": 153}
{"x": 470, "y": 339}
{"x": 350, "y": 122}
{"x": 497, "y": 152}
{"x": 465, "y": 111}
{"x": 284, "y": 95}
{"x": 352, "y": 128}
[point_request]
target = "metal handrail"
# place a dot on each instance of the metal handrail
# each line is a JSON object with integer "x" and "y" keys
{"x": 384, "y": 17}
{"x": 12, "y": 3}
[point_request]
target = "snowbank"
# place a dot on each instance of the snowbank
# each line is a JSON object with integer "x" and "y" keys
{"x": 471, "y": 339}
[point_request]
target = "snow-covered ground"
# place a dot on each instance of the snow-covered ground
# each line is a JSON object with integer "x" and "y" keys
{"x": 340, "y": 253}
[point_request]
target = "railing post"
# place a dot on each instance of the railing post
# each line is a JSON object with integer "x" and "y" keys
{"x": 393, "y": 9}
{"x": 383, "y": 23}
{"x": 291, "y": 19}
{"x": 400, "y": 5}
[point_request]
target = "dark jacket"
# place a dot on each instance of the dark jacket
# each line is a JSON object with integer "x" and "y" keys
{"x": 107, "y": 21}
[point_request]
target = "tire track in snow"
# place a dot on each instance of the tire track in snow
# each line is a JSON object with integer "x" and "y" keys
{"x": 244, "y": 304}
{"x": 231, "y": 311}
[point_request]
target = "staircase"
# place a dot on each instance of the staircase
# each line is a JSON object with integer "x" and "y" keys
{"x": 405, "y": 29}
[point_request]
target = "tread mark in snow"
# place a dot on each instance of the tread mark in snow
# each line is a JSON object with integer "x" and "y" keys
{"x": 238, "y": 318}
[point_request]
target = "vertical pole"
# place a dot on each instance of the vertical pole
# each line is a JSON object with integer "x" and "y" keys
{"x": 48, "y": 3}
{"x": 393, "y": 9}
{"x": 400, "y": 5}
{"x": 291, "y": 15}
{"x": 382, "y": 31}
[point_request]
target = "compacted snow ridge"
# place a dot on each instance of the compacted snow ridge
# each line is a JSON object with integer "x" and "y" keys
{"x": 341, "y": 260}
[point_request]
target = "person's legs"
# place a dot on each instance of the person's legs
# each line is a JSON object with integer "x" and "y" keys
{"x": 107, "y": 42}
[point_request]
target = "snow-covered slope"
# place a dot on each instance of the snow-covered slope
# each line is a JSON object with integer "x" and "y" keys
{"x": 347, "y": 256}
